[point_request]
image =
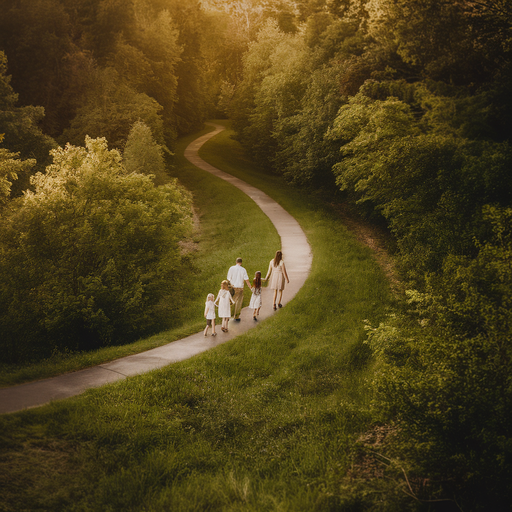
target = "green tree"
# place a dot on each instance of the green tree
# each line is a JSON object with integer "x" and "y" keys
{"x": 290, "y": 94}
{"x": 249, "y": 16}
{"x": 110, "y": 110}
{"x": 142, "y": 154}
{"x": 264, "y": 95}
{"x": 231, "y": 27}
{"x": 305, "y": 156}
{"x": 11, "y": 167}
{"x": 223, "y": 60}
{"x": 91, "y": 256}
{"x": 158, "y": 39}
{"x": 36, "y": 37}
{"x": 191, "y": 105}
{"x": 447, "y": 41}
{"x": 278, "y": 96}
{"x": 20, "y": 129}
{"x": 425, "y": 179}
{"x": 104, "y": 22}
{"x": 142, "y": 48}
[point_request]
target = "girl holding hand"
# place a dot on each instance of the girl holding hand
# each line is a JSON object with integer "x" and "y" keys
{"x": 224, "y": 301}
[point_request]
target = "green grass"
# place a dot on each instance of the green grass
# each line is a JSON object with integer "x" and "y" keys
{"x": 231, "y": 225}
{"x": 267, "y": 421}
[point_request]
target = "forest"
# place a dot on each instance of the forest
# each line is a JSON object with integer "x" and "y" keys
{"x": 398, "y": 109}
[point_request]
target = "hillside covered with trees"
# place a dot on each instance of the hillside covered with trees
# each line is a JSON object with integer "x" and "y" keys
{"x": 403, "y": 107}
{"x": 400, "y": 109}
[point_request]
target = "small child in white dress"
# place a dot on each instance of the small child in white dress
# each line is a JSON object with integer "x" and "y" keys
{"x": 209, "y": 314}
{"x": 224, "y": 301}
{"x": 255, "y": 303}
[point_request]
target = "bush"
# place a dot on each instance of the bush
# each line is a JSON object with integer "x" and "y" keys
{"x": 90, "y": 257}
{"x": 445, "y": 373}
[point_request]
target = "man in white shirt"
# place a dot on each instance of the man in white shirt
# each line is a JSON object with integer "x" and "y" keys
{"x": 237, "y": 275}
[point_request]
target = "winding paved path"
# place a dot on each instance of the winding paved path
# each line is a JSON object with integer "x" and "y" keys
{"x": 298, "y": 257}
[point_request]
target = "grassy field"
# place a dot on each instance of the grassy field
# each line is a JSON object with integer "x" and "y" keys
{"x": 230, "y": 225}
{"x": 267, "y": 421}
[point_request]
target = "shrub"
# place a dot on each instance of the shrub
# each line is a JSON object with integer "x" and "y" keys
{"x": 445, "y": 373}
{"x": 90, "y": 256}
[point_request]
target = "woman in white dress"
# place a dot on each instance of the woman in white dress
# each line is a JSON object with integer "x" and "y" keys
{"x": 277, "y": 270}
{"x": 224, "y": 301}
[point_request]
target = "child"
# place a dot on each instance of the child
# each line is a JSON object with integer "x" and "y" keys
{"x": 224, "y": 301}
{"x": 209, "y": 314}
{"x": 255, "y": 303}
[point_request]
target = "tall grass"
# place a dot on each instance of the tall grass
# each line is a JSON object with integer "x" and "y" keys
{"x": 267, "y": 421}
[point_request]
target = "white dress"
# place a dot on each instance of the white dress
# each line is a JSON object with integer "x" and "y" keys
{"x": 224, "y": 301}
{"x": 255, "y": 298}
{"x": 210, "y": 310}
{"x": 276, "y": 275}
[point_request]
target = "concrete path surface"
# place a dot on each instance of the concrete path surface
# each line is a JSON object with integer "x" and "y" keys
{"x": 296, "y": 254}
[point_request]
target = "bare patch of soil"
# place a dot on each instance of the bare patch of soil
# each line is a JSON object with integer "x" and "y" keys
{"x": 188, "y": 245}
{"x": 369, "y": 463}
{"x": 373, "y": 237}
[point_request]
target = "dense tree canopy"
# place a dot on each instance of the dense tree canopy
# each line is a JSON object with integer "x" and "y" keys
{"x": 57, "y": 49}
{"x": 131, "y": 76}
{"x": 11, "y": 167}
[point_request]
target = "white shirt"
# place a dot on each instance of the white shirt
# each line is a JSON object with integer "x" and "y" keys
{"x": 210, "y": 310}
{"x": 237, "y": 275}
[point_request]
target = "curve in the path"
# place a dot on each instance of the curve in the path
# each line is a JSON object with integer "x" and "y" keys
{"x": 298, "y": 257}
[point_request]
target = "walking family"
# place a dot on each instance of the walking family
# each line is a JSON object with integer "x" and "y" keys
{"x": 232, "y": 292}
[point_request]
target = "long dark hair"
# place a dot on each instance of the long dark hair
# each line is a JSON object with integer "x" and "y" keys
{"x": 278, "y": 258}
{"x": 257, "y": 280}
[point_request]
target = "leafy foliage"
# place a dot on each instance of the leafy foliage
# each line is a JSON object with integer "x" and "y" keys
{"x": 429, "y": 185}
{"x": 305, "y": 155}
{"x": 267, "y": 421}
{"x": 142, "y": 154}
{"x": 10, "y": 168}
{"x": 36, "y": 37}
{"x": 446, "y": 378}
{"x": 110, "y": 110}
{"x": 20, "y": 130}
{"x": 59, "y": 50}
{"x": 90, "y": 257}
{"x": 399, "y": 107}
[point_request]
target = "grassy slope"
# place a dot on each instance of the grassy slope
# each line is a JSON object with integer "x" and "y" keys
{"x": 264, "y": 422}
